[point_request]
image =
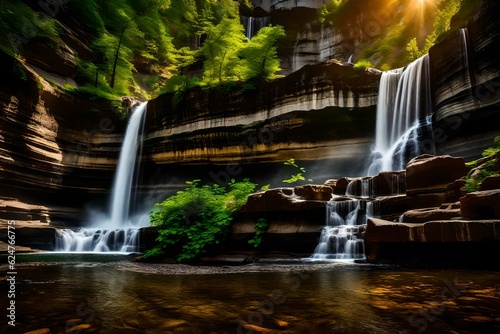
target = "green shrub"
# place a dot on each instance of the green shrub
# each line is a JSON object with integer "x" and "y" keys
{"x": 196, "y": 218}
{"x": 488, "y": 166}
{"x": 362, "y": 65}
{"x": 260, "y": 228}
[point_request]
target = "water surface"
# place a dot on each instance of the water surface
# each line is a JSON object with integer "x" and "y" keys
{"x": 107, "y": 295}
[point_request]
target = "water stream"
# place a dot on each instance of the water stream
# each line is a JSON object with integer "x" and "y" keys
{"x": 118, "y": 231}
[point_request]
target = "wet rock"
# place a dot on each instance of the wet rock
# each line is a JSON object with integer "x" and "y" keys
{"x": 279, "y": 199}
{"x": 398, "y": 204}
{"x": 379, "y": 230}
{"x": 481, "y": 205}
{"x": 79, "y": 328}
{"x": 431, "y": 174}
{"x": 330, "y": 183}
{"x": 314, "y": 192}
{"x": 280, "y": 324}
{"x": 490, "y": 183}
{"x": 429, "y": 214}
{"x": 455, "y": 190}
{"x": 257, "y": 329}
{"x": 389, "y": 183}
{"x": 39, "y": 331}
{"x": 341, "y": 186}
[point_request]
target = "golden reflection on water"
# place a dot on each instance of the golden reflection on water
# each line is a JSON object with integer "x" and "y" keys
{"x": 103, "y": 299}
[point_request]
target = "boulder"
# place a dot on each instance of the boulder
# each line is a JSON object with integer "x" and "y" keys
{"x": 491, "y": 182}
{"x": 429, "y": 214}
{"x": 455, "y": 190}
{"x": 314, "y": 192}
{"x": 389, "y": 183}
{"x": 391, "y": 206}
{"x": 429, "y": 174}
{"x": 481, "y": 205}
{"x": 341, "y": 185}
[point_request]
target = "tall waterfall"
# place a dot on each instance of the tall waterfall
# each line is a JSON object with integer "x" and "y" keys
{"x": 254, "y": 24}
{"x": 404, "y": 112}
{"x": 117, "y": 232}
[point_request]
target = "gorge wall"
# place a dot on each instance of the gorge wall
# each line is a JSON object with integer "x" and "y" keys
{"x": 58, "y": 150}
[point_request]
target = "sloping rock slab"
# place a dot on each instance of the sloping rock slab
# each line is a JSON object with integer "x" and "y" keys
{"x": 383, "y": 231}
{"x": 481, "y": 205}
{"x": 280, "y": 199}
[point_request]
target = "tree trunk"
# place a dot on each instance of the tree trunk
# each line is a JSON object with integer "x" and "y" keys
{"x": 116, "y": 55}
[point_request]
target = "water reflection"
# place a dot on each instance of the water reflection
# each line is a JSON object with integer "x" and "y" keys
{"x": 101, "y": 298}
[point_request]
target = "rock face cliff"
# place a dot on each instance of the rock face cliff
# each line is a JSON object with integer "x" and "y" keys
{"x": 55, "y": 148}
{"x": 323, "y": 112}
{"x": 58, "y": 151}
{"x": 465, "y": 79}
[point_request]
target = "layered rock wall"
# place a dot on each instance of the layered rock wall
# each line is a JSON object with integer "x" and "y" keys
{"x": 465, "y": 79}
{"x": 55, "y": 148}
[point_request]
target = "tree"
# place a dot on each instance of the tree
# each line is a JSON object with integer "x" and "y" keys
{"x": 259, "y": 55}
{"x": 220, "y": 51}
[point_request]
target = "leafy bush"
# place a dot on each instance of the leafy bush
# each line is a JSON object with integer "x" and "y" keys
{"x": 362, "y": 65}
{"x": 260, "y": 228}
{"x": 196, "y": 218}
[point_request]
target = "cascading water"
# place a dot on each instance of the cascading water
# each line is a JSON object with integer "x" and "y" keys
{"x": 118, "y": 232}
{"x": 340, "y": 238}
{"x": 404, "y": 112}
{"x": 254, "y": 24}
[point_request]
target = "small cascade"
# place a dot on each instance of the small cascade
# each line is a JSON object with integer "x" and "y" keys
{"x": 118, "y": 232}
{"x": 404, "y": 112}
{"x": 341, "y": 237}
{"x": 98, "y": 240}
{"x": 254, "y": 24}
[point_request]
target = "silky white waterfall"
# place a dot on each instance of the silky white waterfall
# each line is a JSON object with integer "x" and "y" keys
{"x": 404, "y": 111}
{"x": 116, "y": 232}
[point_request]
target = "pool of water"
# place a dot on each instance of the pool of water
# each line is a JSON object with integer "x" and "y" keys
{"x": 84, "y": 294}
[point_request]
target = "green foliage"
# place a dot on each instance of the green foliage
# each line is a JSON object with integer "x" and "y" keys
{"x": 259, "y": 55}
{"x": 196, "y": 217}
{"x": 362, "y": 65}
{"x": 220, "y": 52}
{"x": 484, "y": 167}
{"x": 330, "y": 10}
{"x": 441, "y": 24}
{"x": 494, "y": 149}
{"x": 260, "y": 228}
{"x": 19, "y": 24}
{"x": 295, "y": 177}
{"x": 151, "y": 42}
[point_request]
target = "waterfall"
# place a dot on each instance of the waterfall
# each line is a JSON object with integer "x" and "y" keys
{"x": 117, "y": 232}
{"x": 404, "y": 113}
{"x": 341, "y": 237}
{"x": 254, "y": 24}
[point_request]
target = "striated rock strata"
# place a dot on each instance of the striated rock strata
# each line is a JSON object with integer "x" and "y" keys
{"x": 54, "y": 149}
{"x": 465, "y": 79}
